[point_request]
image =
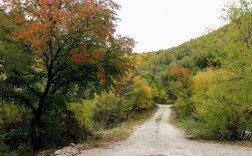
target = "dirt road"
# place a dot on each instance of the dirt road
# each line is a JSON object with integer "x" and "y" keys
{"x": 157, "y": 137}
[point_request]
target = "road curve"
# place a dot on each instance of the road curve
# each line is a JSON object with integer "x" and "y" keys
{"x": 157, "y": 137}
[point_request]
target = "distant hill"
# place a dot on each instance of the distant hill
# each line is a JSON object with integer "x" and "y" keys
{"x": 194, "y": 55}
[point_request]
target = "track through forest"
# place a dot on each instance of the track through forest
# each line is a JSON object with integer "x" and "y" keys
{"x": 157, "y": 137}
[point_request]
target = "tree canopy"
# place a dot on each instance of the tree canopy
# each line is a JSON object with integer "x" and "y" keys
{"x": 53, "y": 51}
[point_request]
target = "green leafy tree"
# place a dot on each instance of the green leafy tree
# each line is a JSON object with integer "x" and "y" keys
{"x": 54, "y": 51}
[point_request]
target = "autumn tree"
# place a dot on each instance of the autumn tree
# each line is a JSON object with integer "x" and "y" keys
{"x": 181, "y": 88}
{"x": 54, "y": 51}
{"x": 181, "y": 82}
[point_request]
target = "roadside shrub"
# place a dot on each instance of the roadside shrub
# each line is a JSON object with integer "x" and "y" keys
{"x": 224, "y": 120}
{"x": 138, "y": 99}
{"x": 184, "y": 107}
{"x": 222, "y": 106}
{"x": 108, "y": 111}
{"x": 83, "y": 112}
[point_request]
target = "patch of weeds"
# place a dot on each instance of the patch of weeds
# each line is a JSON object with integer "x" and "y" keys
{"x": 159, "y": 118}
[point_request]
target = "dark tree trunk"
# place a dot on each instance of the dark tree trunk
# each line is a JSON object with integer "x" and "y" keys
{"x": 36, "y": 124}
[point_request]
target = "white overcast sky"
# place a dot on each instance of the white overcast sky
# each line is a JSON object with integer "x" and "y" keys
{"x": 161, "y": 24}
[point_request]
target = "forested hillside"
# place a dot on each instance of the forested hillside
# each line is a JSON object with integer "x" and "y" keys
{"x": 209, "y": 78}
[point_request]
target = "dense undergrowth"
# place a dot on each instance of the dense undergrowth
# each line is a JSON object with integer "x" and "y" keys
{"x": 86, "y": 122}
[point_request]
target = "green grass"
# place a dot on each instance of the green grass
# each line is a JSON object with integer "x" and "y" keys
{"x": 189, "y": 126}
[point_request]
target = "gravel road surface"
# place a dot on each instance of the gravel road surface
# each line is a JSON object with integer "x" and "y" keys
{"x": 157, "y": 137}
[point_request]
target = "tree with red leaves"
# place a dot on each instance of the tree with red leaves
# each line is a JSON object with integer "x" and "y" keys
{"x": 54, "y": 49}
